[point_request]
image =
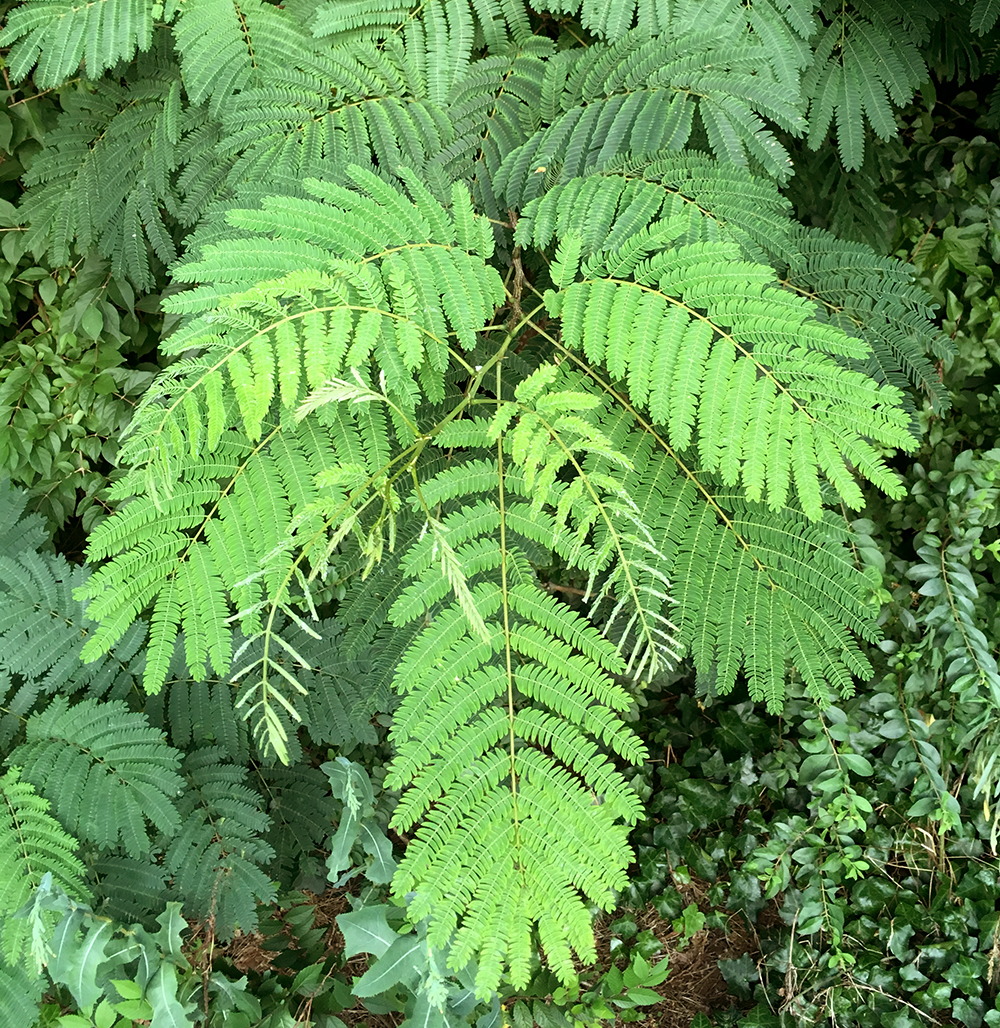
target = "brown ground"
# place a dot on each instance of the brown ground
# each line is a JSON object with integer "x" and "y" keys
{"x": 695, "y": 984}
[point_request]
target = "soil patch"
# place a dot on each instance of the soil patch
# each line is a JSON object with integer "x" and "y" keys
{"x": 695, "y": 984}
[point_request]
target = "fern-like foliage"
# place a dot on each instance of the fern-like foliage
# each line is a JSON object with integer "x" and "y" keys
{"x": 60, "y": 35}
{"x": 199, "y": 711}
{"x": 396, "y": 310}
{"x": 500, "y": 733}
{"x": 92, "y": 772}
{"x": 105, "y": 770}
{"x": 107, "y": 181}
{"x": 215, "y": 857}
{"x": 129, "y": 888}
{"x": 849, "y": 203}
{"x": 32, "y": 844}
{"x": 20, "y": 532}
{"x": 875, "y": 298}
{"x": 457, "y": 303}
{"x": 42, "y": 631}
{"x": 301, "y": 810}
{"x": 228, "y": 48}
{"x": 641, "y": 95}
{"x": 984, "y": 16}
{"x": 382, "y": 19}
{"x": 680, "y": 454}
{"x": 696, "y": 332}
{"x": 341, "y": 109}
{"x": 866, "y": 59}
{"x": 20, "y": 992}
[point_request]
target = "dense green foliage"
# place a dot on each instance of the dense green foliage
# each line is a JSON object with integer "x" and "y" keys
{"x": 430, "y": 405}
{"x": 874, "y": 822}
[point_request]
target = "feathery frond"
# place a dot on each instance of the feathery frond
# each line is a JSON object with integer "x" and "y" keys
{"x": 105, "y": 771}
{"x": 865, "y": 59}
{"x": 32, "y": 844}
{"x": 458, "y": 303}
{"x": 60, "y": 35}
{"x": 214, "y": 858}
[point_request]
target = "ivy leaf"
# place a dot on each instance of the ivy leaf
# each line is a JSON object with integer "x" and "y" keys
{"x": 401, "y": 963}
{"x": 377, "y": 846}
{"x": 966, "y": 975}
{"x": 77, "y": 959}
{"x": 366, "y": 931}
{"x": 168, "y": 1010}
{"x": 341, "y": 843}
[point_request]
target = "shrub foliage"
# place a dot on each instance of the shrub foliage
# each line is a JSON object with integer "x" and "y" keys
{"x": 460, "y": 318}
